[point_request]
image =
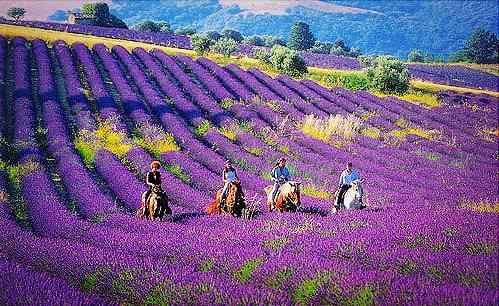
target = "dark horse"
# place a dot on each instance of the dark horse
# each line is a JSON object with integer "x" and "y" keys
{"x": 156, "y": 206}
{"x": 234, "y": 202}
{"x": 287, "y": 198}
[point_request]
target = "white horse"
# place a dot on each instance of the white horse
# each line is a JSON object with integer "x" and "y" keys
{"x": 352, "y": 197}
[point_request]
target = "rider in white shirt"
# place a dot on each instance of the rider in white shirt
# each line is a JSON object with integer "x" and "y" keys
{"x": 346, "y": 179}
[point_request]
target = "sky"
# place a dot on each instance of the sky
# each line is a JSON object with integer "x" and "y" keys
{"x": 42, "y": 9}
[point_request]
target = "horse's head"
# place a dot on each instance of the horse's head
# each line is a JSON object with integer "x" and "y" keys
{"x": 235, "y": 199}
{"x": 291, "y": 192}
{"x": 358, "y": 188}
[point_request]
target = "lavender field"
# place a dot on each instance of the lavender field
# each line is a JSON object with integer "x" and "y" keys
{"x": 79, "y": 127}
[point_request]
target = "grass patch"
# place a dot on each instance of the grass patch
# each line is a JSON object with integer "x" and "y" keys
{"x": 206, "y": 266}
{"x": 230, "y": 133}
{"x": 371, "y": 132}
{"x": 480, "y": 248}
{"x": 438, "y": 87}
{"x": 276, "y": 244}
{"x": 244, "y": 273}
{"x": 278, "y": 280}
{"x": 106, "y": 136}
{"x": 312, "y": 191}
{"x": 418, "y": 96}
{"x": 154, "y": 139}
{"x": 177, "y": 171}
{"x": 200, "y": 130}
{"x": 406, "y": 268}
{"x": 308, "y": 287}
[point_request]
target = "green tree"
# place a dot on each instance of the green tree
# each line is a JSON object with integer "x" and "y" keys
{"x": 321, "y": 47}
{"x": 271, "y": 41}
{"x": 416, "y": 56}
{"x": 482, "y": 48}
{"x": 389, "y": 75}
{"x": 458, "y": 57}
{"x": 201, "y": 44}
{"x": 185, "y": 31}
{"x": 213, "y": 36}
{"x": 287, "y": 61}
{"x": 101, "y": 16}
{"x": 301, "y": 38}
{"x": 164, "y": 27}
{"x": 225, "y": 46}
{"x": 254, "y": 40}
{"x": 16, "y": 12}
{"x": 232, "y": 34}
{"x": 147, "y": 26}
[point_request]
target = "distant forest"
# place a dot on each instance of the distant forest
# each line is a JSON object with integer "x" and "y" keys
{"x": 436, "y": 27}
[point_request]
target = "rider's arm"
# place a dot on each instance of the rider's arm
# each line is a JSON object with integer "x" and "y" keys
{"x": 340, "y": 183}
{"x": 287, "y": 174}
{"x": 273, "y": 174}
{"x": 224, "y": 174}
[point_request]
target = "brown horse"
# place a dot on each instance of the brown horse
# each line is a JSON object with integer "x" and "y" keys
{"x": 287, "y": 198}
{"x": 234, "y": 202}
{"x": 155, "y": 207}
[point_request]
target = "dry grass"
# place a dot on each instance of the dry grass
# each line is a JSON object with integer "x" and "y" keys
{"x": 483, "y": 206}
{"x": 345, "y": 127}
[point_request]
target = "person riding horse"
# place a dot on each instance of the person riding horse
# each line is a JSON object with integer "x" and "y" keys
{"x": 346, "y": 178}
{"x": 279, "y": 175}
{"x": 229, "y": 175}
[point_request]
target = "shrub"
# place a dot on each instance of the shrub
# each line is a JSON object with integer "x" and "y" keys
{"x": 201, "y": 44}
{"x": 262, "y": 55}
{"x": 185, "y": 31}
{"x": 254, "y": 40}
{"x": 287, "y": 61}
{"x": 224, "y": 46}
{"x": 416, "y": 56}
{"x": 232, "y": 34}
{"x": 214, "y": 36}
{"x": 389, "y": 75}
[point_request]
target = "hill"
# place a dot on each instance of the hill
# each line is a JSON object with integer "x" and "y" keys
{"x": 437, "y": 27}
{"x": 80, "y": 125}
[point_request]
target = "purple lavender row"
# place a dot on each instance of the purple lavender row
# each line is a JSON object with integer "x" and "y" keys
{"x": 188, "y": 110}
{"x": 21, "y": 285}
{"x": 106, "y": 105}
{"x": 131, "y": 103}
{"x": 287, "y": 94}
{"x": 162, "y": 39}
{"x": 217, "y": 90}
{"x": 24, "y": 119}
{"x": 78, "y": 102}
{"x": 238, "y": 89}
{"x": 454, "y": 76}
{"x": 310, "y": 95}
{"x": 264, "y": 92}
{"x": 3, "y": 105}
{"x": 218, "y": 116}
{"x": 77, "y": 180}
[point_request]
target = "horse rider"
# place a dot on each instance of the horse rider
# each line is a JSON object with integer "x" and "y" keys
{"x": 153, "y": 180}
{"x": 229, "y": 175}
{"x": 279, "y": 175}
{"x": 346, "y": 178}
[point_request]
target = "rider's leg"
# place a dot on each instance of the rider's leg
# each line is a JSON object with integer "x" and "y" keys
{"x": 341, "y": 195}
{"x": 224, "y": 192}
{"x": 274, "y": 191}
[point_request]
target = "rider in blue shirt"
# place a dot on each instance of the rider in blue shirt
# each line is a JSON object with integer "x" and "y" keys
{"x": 346, "y": 179}
{"x": 280, "y": 175}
